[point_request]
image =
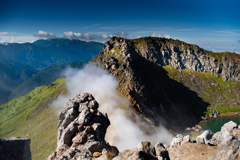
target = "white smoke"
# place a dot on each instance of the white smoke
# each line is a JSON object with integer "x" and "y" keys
{"x": 122, "y": 132}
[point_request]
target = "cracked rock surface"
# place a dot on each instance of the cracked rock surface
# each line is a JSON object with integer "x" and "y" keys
{"x": 81, "y": 129}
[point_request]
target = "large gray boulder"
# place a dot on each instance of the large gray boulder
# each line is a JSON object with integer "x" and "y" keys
{"x": 205, "y": 137}
{"x": 228, "y": 151}
{"x": 177, "y": 140}
{"x": 229, "y": 126}
{"x": 217, "y": 137}
{"x": 15, "y": 148}
{"x": 161, "y": 151}
{"x": 81, "y": 129}
{"x": 225, "y": 135}
{"x": 145, "y": 146}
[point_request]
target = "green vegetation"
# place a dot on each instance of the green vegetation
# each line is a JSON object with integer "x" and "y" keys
{"x": 110, "y": 156}
{"x": 222, "y": 96}
{"x": 115, "y": 52}
{"x": 31, "y": 116}
{"x": 44, "y": 77}
{"x": 12, "y": 74}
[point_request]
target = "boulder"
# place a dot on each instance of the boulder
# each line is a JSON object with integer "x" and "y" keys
{"x": 145, "y": 146}
{"x": 214, "y": 114}
{"x": 177, "y": 140}
{"x": 15, "y": 148}
{"x": 161, "y": 151}
{"x": 186, "y": 139}
{"x": 217, "y": 137}
{"x": 229, "y": 126}
{"x": 228, "y": 151}
{"x": 134, "y": 154}
{"x": 81, "y": 130}
{"x": 204, "y": 137}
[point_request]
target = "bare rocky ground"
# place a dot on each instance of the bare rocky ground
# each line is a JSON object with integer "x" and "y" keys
{"x": 189, "y": 151}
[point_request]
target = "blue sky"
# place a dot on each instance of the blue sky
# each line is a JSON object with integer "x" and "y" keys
{"x": 211, "y": 24}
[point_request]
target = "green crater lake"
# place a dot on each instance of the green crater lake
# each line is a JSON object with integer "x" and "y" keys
{"x": 216, "y": 124}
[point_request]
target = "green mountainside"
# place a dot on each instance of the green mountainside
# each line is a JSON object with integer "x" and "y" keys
{"x": 19, "y": 62}
{"x": 12, "y": 74}
{"x": 33, "y": 117}
{"x": 44, "y": 77}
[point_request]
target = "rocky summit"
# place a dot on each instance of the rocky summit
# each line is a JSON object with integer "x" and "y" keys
{"x": 169, "y": 81}
{"x": 81, "y": 130}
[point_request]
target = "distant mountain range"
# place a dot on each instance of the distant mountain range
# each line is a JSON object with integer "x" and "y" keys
{"x": 43, "y": 53}
{"x": 19, "y": 62}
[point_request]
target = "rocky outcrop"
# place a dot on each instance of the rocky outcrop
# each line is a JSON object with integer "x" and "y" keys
{"x": 162, "y": 51}
{"x": 15, "y": 148}
{"x": 229, "y": 146}
{"x": 82, "y": 129}
{"x": 177, "y": 96}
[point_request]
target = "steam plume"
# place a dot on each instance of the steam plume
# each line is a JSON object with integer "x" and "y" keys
{"x": 122, "y": 132}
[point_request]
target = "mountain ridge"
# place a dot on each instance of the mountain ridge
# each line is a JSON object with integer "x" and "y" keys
{"x": 140, "y": 66}
{"x": 43, "y": 53}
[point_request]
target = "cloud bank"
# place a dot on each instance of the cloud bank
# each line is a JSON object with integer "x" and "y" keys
{"x": 10, "y": 38}
{"x": 5, "y": 34}
{"x": 42, "y": 34}
{"x": 87, "y": 36}
{"x": 94, "y": 37}
{"x": 154, "y": 34}
{"x": 167, "y": 35}
{"x": 122, "y": 132}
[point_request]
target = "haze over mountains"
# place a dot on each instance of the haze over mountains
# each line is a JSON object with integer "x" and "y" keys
{"x": 19, "y": 62}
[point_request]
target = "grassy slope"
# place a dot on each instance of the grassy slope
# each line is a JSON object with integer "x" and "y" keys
{"x": 222, "y": 96}
{"x": 31, "y": 116}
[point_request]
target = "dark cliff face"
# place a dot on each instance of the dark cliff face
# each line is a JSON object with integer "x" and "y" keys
{"x": 139, "y": 64}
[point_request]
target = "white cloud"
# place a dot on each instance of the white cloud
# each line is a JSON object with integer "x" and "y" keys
{"x": 167, "y": 35}
{"x": 18, "y": 39}
{"x": 87, "y": 36}
{"x": 94, "y": 37}
{"x": 42, "y": 34}
{"x": 154, "y": 34}
{"x": 5, "y": 34}
{"x": 121, "y": 34}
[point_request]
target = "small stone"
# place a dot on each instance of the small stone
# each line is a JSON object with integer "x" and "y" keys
{"x": 97, "y": 154}
{"x": 198, "y": 127}
{"x": 79, "y": 139}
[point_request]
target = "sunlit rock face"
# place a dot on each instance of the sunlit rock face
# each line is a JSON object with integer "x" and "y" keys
{"x": 82, "y": 129}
